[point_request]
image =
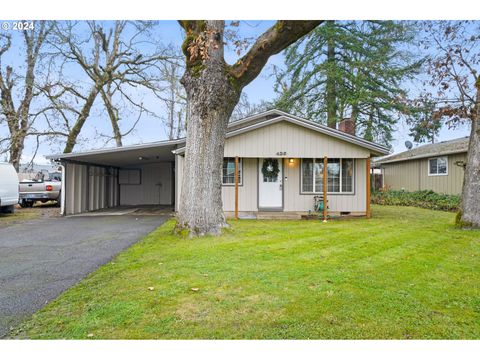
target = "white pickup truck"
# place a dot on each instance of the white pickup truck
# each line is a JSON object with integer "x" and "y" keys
{"x": 8, "y": 188}
{"x": 40, "y": 189}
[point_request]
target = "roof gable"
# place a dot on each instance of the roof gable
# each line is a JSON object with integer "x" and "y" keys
{"x": 454, "y": 146}
{"x": 283, "y": 138}
{"x": 274, "y": 116}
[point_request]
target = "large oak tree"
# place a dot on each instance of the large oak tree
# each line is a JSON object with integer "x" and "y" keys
{"x": 213, "y": 89}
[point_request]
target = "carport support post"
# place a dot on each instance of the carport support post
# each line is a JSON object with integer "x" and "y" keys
{"x": 368, "y": 212}
{"x": 236, "y": 187}
{"x": 325, "y": 174}
{"x": 87, "y": 190}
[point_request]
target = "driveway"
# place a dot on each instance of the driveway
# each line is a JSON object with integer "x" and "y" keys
{"x": 41, "y": 258}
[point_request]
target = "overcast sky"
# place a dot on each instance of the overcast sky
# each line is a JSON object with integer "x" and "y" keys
{"x": 152, "y": 129}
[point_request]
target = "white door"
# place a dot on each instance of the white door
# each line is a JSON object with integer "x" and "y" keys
{"x": 270, "y": 192}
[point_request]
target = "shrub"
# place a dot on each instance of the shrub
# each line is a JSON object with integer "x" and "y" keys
{"x": 425, "y": 199}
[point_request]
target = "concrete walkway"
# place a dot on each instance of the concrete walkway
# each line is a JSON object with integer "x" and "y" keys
{"x": 39, "y": 259}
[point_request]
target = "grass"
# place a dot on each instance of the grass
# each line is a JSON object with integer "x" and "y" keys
{"x": 407, "y": 273}
{"x": 17, "y": 216}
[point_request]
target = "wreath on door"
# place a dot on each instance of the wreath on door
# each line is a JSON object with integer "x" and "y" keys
{"x": 270, "y": 168}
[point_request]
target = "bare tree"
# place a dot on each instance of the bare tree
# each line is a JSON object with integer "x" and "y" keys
{"x": 118, "y": 61}
{"x": 18, "y": 84}
{"x": 454, "y": 73}
{"x": 245, "y": 108}
{"x": 213, "y": 89}
{"x": 174, "y": 99}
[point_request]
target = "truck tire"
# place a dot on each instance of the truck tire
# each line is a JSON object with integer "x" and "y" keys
{"x": 59, "y": 199}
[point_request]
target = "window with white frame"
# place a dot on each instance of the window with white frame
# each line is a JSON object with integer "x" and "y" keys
{"x": 438, "y": 166}
{"x": 228, "y": 171}
{"x": 340, "y": 176}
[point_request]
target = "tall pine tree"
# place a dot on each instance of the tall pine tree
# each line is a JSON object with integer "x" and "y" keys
{"x": 350, "y": 69}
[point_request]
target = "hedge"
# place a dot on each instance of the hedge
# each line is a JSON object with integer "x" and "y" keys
{"x": 425, "y": 199}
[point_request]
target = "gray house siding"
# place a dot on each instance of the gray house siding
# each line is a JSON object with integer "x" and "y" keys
{"x": 155, "y": 187}
{"x": 89, "y": 188}
{"x": 294, "y": 142}
{"x": 100, "y": 179}
{"x": 412, "y": 175}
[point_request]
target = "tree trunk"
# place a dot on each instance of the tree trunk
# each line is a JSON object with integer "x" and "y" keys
{"x": 171, "y": 117}
{"x": 470, "y": 207}
{"x": 211, "y": 96}
{"x": 368, "y": 134}
{"x": 179, "y": 125}
{"x": 16, "y": 150}
{"x": 213, "y": 89}
{"x": 113, "y": 115}
{"x": 84, "y": 113}
{"x": 354, "y": 117}
{"x": 331, "y": 96}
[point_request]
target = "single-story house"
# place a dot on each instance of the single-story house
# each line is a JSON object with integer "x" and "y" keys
{"x": 438, "y": 167}
{"x": 280, "y": 169}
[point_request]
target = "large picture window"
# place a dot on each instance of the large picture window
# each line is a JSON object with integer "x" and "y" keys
{"x": 340, "y": 178}
{"x": 438, "y": 166}
{"x": 228, "y": 171}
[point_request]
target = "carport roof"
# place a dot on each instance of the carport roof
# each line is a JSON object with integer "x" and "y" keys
{"x": 157, "y": 151}
{"x": 447, "y": 147}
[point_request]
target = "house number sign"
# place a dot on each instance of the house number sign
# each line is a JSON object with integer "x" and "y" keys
{"x": 281, "y": 153}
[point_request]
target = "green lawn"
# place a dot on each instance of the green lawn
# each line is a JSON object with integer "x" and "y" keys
{"x": 19, "y": 215}
{"x": 407, "y": 273}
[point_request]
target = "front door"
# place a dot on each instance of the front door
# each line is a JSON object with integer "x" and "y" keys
{"x": 270, "y": 191}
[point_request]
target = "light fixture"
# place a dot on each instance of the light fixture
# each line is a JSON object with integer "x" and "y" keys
{"x": 291, "y": 160}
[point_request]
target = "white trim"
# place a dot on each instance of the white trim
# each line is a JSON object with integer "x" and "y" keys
{"x": 256, "y": 116}
{"x": 117, "y": 149}
{"x": 438, "y": 157}
{"x": 328, "y": 192}
{"x": 417, "y": 157}
{"x": 62, "y": 195}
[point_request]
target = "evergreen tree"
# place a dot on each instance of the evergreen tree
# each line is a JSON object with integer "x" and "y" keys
{"x": 424, "y": 120}
{"x": 350, "y": 69}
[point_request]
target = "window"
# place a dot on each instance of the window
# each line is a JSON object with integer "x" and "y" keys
{"x": 333, "y": 178}
{"x": 228, "y": 171}
{"x": 307, "y": 175}
{"x": 438, "y": 166}
{"x": 347, "y": 175}
{"x": 339, "y": 175}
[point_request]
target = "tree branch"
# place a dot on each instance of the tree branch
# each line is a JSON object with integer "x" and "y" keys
{"x": 271, "y": 42}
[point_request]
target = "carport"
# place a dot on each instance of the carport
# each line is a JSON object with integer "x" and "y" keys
{"x": 131, "y": 175}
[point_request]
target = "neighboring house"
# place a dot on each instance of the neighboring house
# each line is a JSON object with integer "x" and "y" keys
{"x": 438, "y": 167}
{"x": 280, "y": 169}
